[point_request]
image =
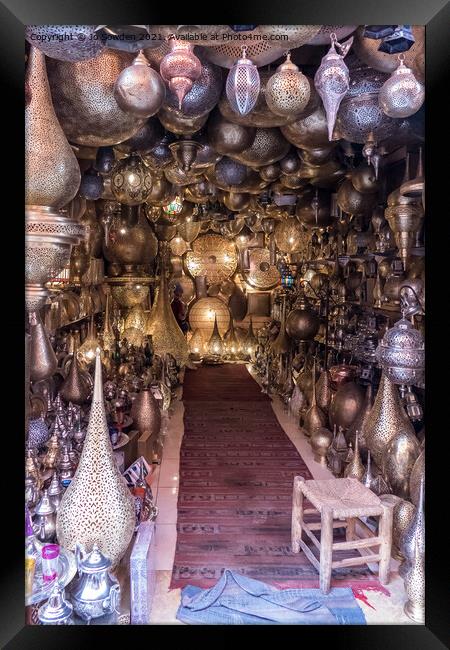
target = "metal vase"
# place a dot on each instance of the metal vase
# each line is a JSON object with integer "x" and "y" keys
{"x": 43, "y": 362}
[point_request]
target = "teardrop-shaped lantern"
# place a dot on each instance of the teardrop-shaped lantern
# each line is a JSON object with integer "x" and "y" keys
{"x": 180, "y": 68}
{"x": 43, "y": 362}
{"x": 401, "y": 95}
{"x": 332, "y": 81}
{"x": 242, "y": 86}
{"x": 215, "y": 343}
{"x": 166, "y": 334}
{"x": 97, "y": 507}
{"x": 386, "y": 419}
{"x": 51, "y": 169}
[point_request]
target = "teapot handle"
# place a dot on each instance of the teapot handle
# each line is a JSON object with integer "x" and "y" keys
{"x": 79, "y": 554}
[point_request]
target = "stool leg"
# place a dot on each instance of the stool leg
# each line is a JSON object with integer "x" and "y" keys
{"x": 350, "y": 530}
{"x": 385, "y": 533}
{"x": 326, "y": 550}
{"x": 297, "y": 514}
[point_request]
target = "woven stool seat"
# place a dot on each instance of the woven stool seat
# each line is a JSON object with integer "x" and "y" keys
{"x": 345, "y": 500}
{"x": 346, "y": 497}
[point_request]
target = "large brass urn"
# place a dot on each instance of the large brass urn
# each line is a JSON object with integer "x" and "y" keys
{"x": 97, "y": 507}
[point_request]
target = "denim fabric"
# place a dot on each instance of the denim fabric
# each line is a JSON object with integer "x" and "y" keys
{"x": 238, "y": 600}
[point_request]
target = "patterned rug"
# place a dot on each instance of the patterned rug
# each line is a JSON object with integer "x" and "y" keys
{"x": 237, "y": 467}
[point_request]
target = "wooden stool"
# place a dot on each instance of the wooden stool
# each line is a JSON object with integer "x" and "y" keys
{"x": 344, "y": 498}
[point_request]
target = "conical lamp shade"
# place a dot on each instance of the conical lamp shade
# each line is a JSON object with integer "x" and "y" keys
{"x": 166, "y": 334}
{"x": 215, "y": 343}
{"x": 97, "y": 507}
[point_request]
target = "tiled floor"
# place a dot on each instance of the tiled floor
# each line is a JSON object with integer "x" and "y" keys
{"x": 378, "y": 608}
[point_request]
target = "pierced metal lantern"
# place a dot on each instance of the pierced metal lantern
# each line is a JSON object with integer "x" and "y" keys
{"x": 180, "y": 68}
{"x": 401, "y": 354}
{"x": 332, "y": 81}
{"x": 230, "y": 172}
{"x": 401, "y": 95}
{"x": 131, "y": 181}
{"x": 359, "y": 113}
{"x": 288, "y": 90}
{"x": 50, "y": 40}
{"x": 91, "y": 186}
{"x": 139, "y": 89}
{"x": 242, "y": 86}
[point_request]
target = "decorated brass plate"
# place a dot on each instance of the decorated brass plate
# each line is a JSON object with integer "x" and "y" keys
{"x": 212, "y": 256}
{"x": 262, "y": 275}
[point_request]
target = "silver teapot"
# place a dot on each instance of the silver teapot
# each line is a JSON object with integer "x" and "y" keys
{"x": 96, "y": 592}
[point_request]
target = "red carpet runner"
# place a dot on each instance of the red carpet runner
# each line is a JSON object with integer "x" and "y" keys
{"x": 235, "y": 496}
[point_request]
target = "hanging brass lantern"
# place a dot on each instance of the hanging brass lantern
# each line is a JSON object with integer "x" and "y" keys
{"x": 229, "y": 138}
{"x": 180, "y": 68}
{"x": 332, "y": 80}
{"x": 288, "y": 90}
{"x": 242, "y": 85}
{"x": 51, "y": 168}
{"x": 83, "y": 95}
{"x": 268, "y": 146}
{"x": 185, "y": 153}
{"x": 401, "y": 354}
{"x": 139, "y": 89}
{"x": 131, "y": 181}
{"x": 401, "y": 95}
{"x": 166, "y": 334}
